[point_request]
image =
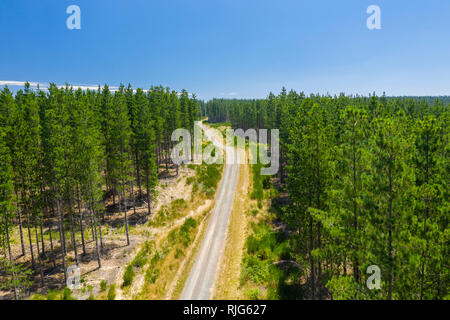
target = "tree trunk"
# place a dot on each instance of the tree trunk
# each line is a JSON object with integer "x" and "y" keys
{"x": 311, "y": 259}
{"x": 72, "y": 229}
{"x": 134, "y": 198}
{"x": 138, "y": 175}
{"x": 11, "y": 259}
{"x": 125, "y": 212}
{"x": 19, "y": 215}
{"x": 94, "y": 232}
{"x": 62, "y": 237}
{"x": 51, "y": 236}
{"x": 52, "y": 253}
{"x": 38, "y": 252}
{"x": 42, "y": 239}
{"x": 30, "y": 241}
{"x": 80, "y": 213}
{"x": 148, "y": 194}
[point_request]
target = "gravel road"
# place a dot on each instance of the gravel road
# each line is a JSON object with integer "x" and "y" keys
{"x": 200, "y": 283}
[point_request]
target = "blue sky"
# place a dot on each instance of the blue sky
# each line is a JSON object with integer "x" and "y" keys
{"x": 231, "y": 48}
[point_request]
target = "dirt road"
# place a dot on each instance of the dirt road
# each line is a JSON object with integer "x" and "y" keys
{"x": 200, "y": 283}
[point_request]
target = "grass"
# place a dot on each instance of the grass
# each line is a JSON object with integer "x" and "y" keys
{"x": 15, "y": 235}
{"x": 218, "y": 125}
{"x": 260, "y": 183}
{"x": 103, "y": 286}
{"x": 128, "y": 276}
{"x": 112, "y": 292}
{"x": 169, "y": 213}
{"x": 64, "y": 294}
{"x": 260, "y": 276}
{"x": 136, "y": 264}
{"x": 207, "y": 179}
{"x": 189, "y": 262}
{"x": 166, "y": 259}
{"x": 183, "y": 234}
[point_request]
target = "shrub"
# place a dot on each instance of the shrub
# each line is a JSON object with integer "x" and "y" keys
{"x": 52, "y": 295}
{"x": 190, "y": 180}
{"x": 128, "y": 276}
{"x": 140, "y": 260}
{"x": 67, "y": 294}
{"x": 255, "y": 270}
{"x": 185, "y": 230}
{"x": 151, "y": 275}
{"x": 103, "y": 285}
{"x": 112, "y": 292}
{"x": 253, "y": 294}
{"x": 208, "y": 176}
{"x": 178, "y": 253}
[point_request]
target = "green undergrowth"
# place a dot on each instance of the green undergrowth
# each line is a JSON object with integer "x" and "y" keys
{"x": 264, "y": 275}
{"x": 137, "y": 264}
{"x": 206, "y": 179}
{"x": 163, "y": 263}
{"x": 169, "y": 213}
{"x": 64, "y": 294}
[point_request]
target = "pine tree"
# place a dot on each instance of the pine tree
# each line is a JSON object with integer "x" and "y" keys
{"x": 390, "y": 200}
{"x": 145, "y": 137}
{"x": 6, "y": 196}
{"x": 120, "y": 142}
{"x": 426, "y": 229}
{"x": 345, "y": 217}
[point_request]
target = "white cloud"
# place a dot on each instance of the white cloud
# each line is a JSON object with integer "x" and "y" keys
{"x": 229, "y": 94}
{"x": 45, "y": 86}
{"x": 17, "y": 83}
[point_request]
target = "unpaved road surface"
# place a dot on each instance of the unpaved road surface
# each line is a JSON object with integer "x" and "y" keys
{"x": 200, "y": 283}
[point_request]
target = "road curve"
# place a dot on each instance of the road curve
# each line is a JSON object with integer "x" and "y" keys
{"x": 200, "y": 283}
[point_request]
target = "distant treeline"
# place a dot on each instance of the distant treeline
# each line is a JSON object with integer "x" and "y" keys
{"x": 367, "y": 184}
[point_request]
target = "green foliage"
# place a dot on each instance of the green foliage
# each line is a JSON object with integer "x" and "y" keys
{"x": 64, "y": 153}
{"x": 185, "y": 230}
{"x": 128, "y": 276}
{"x": 151, "y": 275}
{"x": 16, "y": 276}
{"x": 169, "y": 213}
{"x": 362, "y": 181}
{"x": 343, "y": 288}
{"x": 67, "y": 294}
{"x": 52, "y": 295}
{"x": 264, "y": 249}
{"x": 112, "y": 292}
{"x": 138, "y": 262}
{"x": 103, "y": 285}
{"x": 208, "y": 177}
